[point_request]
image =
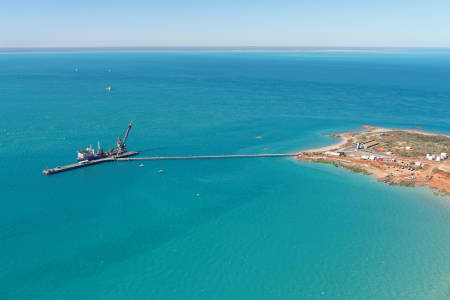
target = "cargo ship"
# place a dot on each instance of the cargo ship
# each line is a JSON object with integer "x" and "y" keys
{"x": 89, "y": 156}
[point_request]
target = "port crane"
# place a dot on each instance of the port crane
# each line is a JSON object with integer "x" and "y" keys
{"x": 121, "y": 144}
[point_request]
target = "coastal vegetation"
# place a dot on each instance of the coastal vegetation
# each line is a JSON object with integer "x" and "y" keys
{"x": 407, "y": 183}
{"x": 412, "y": 144}
{"x": 337, "y": 164}
{"x": 440, "y": 192}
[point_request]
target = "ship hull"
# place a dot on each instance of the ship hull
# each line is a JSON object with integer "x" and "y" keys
{"x": 91, "y": 157}
{"x": 88, "y": 163}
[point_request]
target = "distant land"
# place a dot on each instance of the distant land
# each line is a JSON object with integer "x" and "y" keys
{"x": 396, "y": 156}
{"x": 205, "y": 48}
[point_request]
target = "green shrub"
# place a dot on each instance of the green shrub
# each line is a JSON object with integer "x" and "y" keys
{"x": 407, "y": 183}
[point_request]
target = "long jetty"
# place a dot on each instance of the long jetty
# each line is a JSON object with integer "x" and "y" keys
{"x": 206, "y": 156}
{"x": 126, "y": 157}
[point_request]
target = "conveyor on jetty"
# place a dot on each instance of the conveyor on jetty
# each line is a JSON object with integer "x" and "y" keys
{"x": 88, "y": 157}
{"x": 207, "y": 156}
{"x": 126, "y": 157}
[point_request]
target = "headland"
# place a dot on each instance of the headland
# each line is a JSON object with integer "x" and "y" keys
{"x": 406, "y": 157}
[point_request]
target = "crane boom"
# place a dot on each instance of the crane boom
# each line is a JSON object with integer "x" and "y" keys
{"x": 128, "y": 131}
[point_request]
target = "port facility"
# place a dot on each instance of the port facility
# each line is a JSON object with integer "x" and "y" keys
{"x": 88, "y": 157}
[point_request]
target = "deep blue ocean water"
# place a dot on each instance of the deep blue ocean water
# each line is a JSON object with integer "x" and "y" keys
{"x": 268, "y": 228}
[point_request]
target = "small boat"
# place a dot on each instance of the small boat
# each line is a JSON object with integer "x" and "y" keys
{"x": 258, "y": 137}
{"x": 198, "y": 195}
{"x": 108, "y": 89}
{"x": 141, "y": 165}
{"x": 161, "y": 171}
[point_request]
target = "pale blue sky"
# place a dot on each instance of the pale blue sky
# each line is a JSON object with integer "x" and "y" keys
{"x": 46, "y": 23}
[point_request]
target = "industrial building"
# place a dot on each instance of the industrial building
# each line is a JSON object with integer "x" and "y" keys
{"x": 369, "y": 144}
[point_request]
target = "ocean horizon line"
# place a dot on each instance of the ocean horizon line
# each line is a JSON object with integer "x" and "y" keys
{"x": 65, "y": 49}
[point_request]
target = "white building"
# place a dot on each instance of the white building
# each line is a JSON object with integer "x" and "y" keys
{"x": 364, "y": 157}
{"x": 437, "y": 157}
{"x": 431, "y": 156}
{"x": 332, "y": 153}
{"x": 372, "y": 157}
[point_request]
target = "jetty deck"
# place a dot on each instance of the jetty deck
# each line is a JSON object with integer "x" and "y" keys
{"x": 206, "y": 156}
{"x": 127, "y": 157}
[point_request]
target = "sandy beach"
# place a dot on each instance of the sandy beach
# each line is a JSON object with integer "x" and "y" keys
{"x": 342, "y": 141}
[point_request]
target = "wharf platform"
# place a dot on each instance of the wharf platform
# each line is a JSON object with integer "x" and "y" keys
{"x": 88, "y": 163}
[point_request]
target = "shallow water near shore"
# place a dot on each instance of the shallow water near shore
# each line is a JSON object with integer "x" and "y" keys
{"x": 266, "y": 228}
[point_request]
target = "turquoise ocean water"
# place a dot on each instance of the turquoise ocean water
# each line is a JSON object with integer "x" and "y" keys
{"x": 261, "y": 228}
